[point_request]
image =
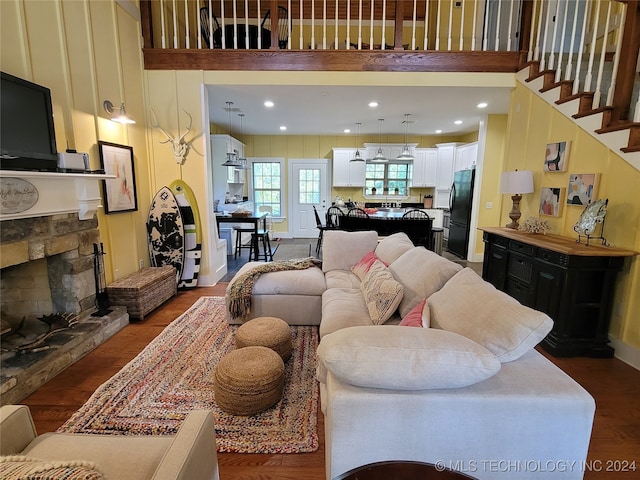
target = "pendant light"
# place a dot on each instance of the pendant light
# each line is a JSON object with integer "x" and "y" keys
{"x": 232, "y": 155}
{"x": 243, "y": 161}
{"x": 379, "y": 158}
{"x": 357, "y": 157}
{"x": 406, "y": 153}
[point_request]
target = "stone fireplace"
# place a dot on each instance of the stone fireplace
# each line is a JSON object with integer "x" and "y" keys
{"x": 47, "y": 267}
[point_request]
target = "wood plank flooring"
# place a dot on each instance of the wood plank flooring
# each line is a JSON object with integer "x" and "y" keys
{"x": 614, "y": 385}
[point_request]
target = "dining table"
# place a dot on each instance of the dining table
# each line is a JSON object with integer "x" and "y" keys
{"x": 254, "y": 218}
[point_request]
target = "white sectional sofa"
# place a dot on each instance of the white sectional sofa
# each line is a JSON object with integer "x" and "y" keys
{"x": 465, "y": 389}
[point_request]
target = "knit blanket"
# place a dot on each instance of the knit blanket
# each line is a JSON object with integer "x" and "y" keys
{"x": 241, "y": 290}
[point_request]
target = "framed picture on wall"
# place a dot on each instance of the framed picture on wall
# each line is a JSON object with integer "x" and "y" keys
{"x": 583, "y": 188}
{"x": 556, "y": 157}
{"x": 551, "y": 201}
{"x": 120, "y": 192}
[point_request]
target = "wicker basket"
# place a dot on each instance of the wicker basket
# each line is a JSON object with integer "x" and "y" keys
{"x": 143, "y": 290}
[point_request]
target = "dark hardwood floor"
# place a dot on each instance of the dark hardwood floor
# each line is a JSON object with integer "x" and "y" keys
{"x": 614, "y": 385}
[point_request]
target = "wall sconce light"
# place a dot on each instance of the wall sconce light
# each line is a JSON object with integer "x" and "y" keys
{"x": 120, "y": 116}
{"x": 516, "y": 183}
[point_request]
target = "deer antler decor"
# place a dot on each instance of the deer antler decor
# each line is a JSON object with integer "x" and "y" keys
{"x": 179, "y": 147}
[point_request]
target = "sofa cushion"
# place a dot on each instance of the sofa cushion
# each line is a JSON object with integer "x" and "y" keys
{"x": 341, "y": 279}
{"x": 361, "y": 268}
{"x": 309, "y": 281}
{"x": 341, "y": 308}
{"x": 421, "y": 272}
{"x": 476, "y": 309}
{"x": 397, "y": 358}
{"x": 342, "y": 250}
{"x": 382, "y": 294}
{"x": 419, "y": 316}
{"x": 390, "y": 248}
{"x": 16, "y": 467}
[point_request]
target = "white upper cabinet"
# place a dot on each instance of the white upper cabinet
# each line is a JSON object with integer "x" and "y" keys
{"x": 446, "y": 164}
{"x": 345, "y": 172}
{"x": 224, "y": 177}
{"x": 466, "y": 156}
{"x": 425, "y": 167}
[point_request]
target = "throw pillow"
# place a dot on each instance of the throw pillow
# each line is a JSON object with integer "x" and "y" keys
{"x": 382, "y": 294}
{"x": 390, "y": 248}
{"x": 361, "y": 268}
{"x": 341, "y": 250}
{"x": 14, "y": 467}
{"x": 405, "y": 359}
{"x": 418, "y": 316}
{"x": 476, "y": 309}
{"x": 421, "y": 272}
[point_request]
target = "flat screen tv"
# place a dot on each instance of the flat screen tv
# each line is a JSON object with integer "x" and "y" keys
{"x": 27, "y": 137}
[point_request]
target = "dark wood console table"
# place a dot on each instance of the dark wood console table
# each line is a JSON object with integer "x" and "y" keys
{"x": 571, "y": 282}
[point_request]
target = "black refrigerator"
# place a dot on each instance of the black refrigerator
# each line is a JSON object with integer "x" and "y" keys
{"x": 460, "y": 200}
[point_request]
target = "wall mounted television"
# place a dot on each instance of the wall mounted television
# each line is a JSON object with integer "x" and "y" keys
{"x": 27, "y": 136}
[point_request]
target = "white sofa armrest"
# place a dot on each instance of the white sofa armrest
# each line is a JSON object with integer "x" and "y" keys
{"x": 17, "y": 429}
{"x": 192, "y": 454}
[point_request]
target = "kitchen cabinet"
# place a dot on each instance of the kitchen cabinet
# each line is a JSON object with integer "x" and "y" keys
{"x": 466, "y": 156}
{"x": 424, "y": 167}
{"x": 569, "y": 281}
{"x": 446, "y": 163}
{"x": 345, "y": 172}
{"x": 226, "y": 179}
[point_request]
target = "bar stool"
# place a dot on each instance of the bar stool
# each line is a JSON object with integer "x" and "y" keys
{"x": 263, "y": 237}
{"x": 239, "y": 246}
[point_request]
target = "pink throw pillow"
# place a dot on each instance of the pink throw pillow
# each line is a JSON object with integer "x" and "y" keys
{"x": 414, "y": 317}
{"x": 362, "y": 267}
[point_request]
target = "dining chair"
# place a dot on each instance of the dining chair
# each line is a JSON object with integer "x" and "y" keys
{"x": 282, "y": 25}
{"x": 264, "y": 235}
{"x": 206, "y": 28}
{"x": 416, "y": 213}
{"x": 333, "y": 217}
{"x": 357, "y": 212}
{"x": 321, "y": 228}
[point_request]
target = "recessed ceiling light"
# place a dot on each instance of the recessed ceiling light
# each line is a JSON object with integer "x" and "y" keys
{"x": 482, "y": 105}
{"x": 438, "y": 131}
{"x": 373, "y": 104}
{"x": 283, "y": 128}
{"x": 347, "y": 130}
{"x": 268, "y": 104}
{"x": 458, "y": 122}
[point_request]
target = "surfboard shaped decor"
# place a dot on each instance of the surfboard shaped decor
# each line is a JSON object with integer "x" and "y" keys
{"x": 192, "y": 233}
{"x": 165, "y": 230}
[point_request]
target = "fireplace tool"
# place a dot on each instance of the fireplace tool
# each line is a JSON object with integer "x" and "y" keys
{"x": 102, "y": 297}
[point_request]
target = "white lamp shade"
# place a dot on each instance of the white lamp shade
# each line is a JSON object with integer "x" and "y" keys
{"x": 518, "y": 182}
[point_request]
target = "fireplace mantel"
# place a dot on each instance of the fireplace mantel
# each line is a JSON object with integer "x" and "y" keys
{"x": 49, "y": 193}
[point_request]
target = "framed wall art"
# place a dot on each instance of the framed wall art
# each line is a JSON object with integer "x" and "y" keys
{"x": 551, "y": 201}
{"x": 556, "y": 157}
{"x": 582, "y": 188}
{"x": 120, "y": 192}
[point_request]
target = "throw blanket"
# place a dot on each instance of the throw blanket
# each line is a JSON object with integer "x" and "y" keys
{"x": 241, "y": 289}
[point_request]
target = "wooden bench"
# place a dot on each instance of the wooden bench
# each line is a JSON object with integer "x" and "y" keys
{"x": 143, "y": 290}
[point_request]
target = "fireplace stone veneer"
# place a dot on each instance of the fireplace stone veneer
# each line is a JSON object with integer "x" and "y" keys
{"x": 47, "y": 267}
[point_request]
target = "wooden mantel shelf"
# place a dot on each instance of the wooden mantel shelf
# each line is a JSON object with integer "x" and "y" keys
{"x": 557, "y": 243}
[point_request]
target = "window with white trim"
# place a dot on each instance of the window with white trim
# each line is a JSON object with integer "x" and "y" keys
{"x": 389, "y": 175}
{"x": 266, "y": 184}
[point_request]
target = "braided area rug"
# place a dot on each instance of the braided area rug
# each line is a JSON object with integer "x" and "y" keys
{"x": 173, "y": 375}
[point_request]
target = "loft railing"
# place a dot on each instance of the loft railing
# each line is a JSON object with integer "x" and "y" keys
{"x": 592, "y": 45}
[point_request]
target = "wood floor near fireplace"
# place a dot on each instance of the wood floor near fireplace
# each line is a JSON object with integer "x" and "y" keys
{"x": 22, "y": 374}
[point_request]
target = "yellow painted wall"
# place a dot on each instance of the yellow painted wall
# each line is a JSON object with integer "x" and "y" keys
{"x": 532, "y": 125}
{"x": 87, "y": 52}
{"x": 492, "y": 167}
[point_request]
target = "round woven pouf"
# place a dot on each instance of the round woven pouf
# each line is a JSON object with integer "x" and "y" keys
{"x": 270, "y": 332}
{"x": 248, "y": 380}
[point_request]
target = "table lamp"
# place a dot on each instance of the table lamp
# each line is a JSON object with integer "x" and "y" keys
{"x": 516, "y": 183}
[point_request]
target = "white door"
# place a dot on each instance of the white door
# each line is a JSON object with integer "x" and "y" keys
{"x": 309, "y": 187}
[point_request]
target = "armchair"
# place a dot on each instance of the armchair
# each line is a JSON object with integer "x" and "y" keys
{"x": 190, "y": 454}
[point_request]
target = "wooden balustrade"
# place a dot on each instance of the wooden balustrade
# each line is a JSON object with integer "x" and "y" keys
{"x": 574, "y": 40}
